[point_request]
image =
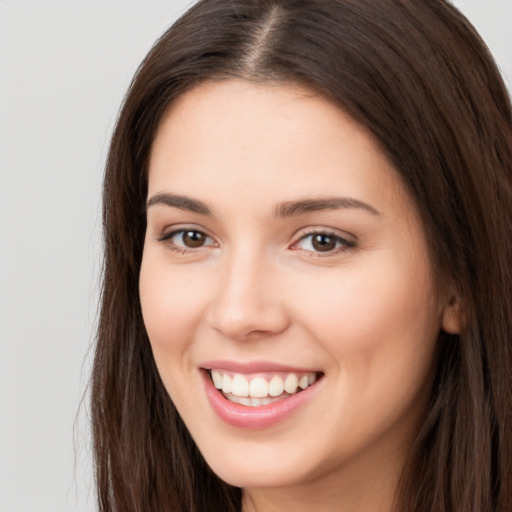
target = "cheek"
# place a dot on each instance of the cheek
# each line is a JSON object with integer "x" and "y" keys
{"x": 381, "y": 323}
{"x": 171, "y": 307}
{"x": 380, "y": 331}
{"x": 171, "y": 300}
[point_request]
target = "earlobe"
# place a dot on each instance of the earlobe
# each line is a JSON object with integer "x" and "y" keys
{"x": 453, "y": 322}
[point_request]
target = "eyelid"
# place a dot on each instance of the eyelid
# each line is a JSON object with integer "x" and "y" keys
{"x": 171, "y": 229}
{"x": 167, "y": 234}
{"x": 347, "y": 241}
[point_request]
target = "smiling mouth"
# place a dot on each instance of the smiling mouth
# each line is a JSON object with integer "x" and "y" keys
{"x": 261, "y": 389}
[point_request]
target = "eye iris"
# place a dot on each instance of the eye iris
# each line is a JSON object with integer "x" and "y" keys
{"x": 323, "y": 243}
{"x": 193, "y": 238}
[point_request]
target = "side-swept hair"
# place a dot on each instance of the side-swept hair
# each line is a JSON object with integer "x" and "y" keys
{"x": 416, "y": 75}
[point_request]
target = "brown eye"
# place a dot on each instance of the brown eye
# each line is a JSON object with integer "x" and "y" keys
{"x": 323, "y": 243}
{"x": 186, "y": 239}
{"x": 193, "y": 239}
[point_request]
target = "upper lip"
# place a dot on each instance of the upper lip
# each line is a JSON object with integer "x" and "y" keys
{"x": 253, "y": 367}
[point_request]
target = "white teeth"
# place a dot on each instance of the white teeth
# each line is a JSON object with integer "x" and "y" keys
{"x": 251, "y": 402}
{"x": 217, "y": 379}
{"x": 240, "y": 386}
{"x": 291, "y": 383}
{"x": 226, "y": 383}
{"x": 275, "y": 386}
{"x": 258, "y": 387}
{"x": 258, "y": 390}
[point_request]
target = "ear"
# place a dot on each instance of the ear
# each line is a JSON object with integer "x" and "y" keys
{"x": 453, "y": 318}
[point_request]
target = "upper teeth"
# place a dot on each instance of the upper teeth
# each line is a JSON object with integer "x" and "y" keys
{"x": 261, "y": 386}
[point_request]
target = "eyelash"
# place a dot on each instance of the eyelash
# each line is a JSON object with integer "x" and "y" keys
{"x": 167, "y": 237}
{"x": 341, "y": 244}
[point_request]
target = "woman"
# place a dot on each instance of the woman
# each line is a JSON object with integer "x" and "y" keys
{"x": 307, "y": 288}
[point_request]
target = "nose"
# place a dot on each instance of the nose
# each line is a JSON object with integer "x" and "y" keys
{"x": 248, "y": 303}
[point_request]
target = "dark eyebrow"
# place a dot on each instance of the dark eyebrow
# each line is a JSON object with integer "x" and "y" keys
{"x": 181, "y": 202}
{"x": 286, "y": 209}
{"x": 301, "y": 206}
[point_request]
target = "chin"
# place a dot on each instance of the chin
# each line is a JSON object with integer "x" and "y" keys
{"x": 240, "y": 471}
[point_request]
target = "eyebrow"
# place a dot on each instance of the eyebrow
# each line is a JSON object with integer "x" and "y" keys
{"x": 302, "y": 206}
{"x": 181, "y": 202}
{"x": 282, "y": 210}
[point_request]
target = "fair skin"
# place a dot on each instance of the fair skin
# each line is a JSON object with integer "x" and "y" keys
{"x": 341, "y": 289}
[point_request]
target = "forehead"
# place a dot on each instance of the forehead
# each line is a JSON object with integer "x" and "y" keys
{"x": 269, "y": 141}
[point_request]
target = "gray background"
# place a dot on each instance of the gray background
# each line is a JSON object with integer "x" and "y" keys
{"x": 64, "y": 67}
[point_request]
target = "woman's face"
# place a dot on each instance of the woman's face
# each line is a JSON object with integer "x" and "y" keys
{"x": 283, "y": 252}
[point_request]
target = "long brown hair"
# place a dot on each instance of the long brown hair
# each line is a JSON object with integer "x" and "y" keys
{"x": 417, "y": 75}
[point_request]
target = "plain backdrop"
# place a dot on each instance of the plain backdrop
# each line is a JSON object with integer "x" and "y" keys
{"x": 64, "y": 67}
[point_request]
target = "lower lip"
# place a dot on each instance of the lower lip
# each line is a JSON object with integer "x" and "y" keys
{"x": 264, "y": 416}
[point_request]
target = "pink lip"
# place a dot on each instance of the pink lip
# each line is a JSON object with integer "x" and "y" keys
{"x": 242, "y": 416}
{"x": 253, "y": 367}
